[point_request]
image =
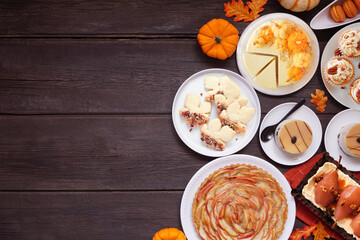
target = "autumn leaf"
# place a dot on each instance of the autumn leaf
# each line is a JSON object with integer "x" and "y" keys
{"x": 305, "y": 232}
{"x": 241, "y": 12}
{"x": 319, "y": 100}
{"x": 320, "y": 233}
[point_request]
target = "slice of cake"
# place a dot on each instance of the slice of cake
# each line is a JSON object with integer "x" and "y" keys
{"x": 194, "y": 112}
{"x": 255, "y": 63}
{"x": 267, "y": 77}
{"x": 215, "y": 136}
{"x": 236, "y": 116}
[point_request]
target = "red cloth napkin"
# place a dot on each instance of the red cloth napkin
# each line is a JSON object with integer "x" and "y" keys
{"x": 294, "y": 177}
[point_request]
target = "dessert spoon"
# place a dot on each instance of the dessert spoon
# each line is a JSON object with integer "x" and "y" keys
{"x": 268, "y": 132}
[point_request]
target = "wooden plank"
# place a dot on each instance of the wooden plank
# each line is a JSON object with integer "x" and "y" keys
{"x": 40, "y": 76}
{"x": 116, "y": 18}
{"x": 100, "y": 153}
{"x": 88, "y": 215}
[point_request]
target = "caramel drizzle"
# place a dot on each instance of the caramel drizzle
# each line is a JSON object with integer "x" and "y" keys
{"x": 297, "y": 126}
{"x": 290, "y": 137}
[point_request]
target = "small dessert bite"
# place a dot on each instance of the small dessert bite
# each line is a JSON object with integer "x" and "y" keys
{"x": 338, "y": 71}
{"x": 194, "y": 112}
{"x": 349, "y": 139}
{"x": 337, "y": 13}
{"x": 236, "y": 116}
{"x": 349, "y": 43}
{"x": 215, "y": 136}
{"x": 355, "y": 90}
{"x": 293, "y": 136}
{"x": 349, "y": 8}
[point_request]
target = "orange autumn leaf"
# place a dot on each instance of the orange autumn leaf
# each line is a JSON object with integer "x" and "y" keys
{"x": 320, "y": 233}
{"x": 319, "y": 100}
{"x": 241, "y": 12}
{"x": 304, "y": 232}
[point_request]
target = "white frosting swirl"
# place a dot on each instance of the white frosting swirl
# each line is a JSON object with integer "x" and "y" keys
{"x": 344, "y": 71}
{"x": 354, "y": 89}
{"x": 349, "y": 43}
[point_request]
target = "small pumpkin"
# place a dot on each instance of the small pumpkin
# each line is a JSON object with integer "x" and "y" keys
{"x": 299, "y": 5}
{"x": 218, "y": 39}
{"x": 169, "y": 234}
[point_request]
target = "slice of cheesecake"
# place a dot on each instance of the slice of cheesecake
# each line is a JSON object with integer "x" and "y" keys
{"x": 194, "y": 112}
{"x": 255, "y": 62}
{"x": 267, "y": 77}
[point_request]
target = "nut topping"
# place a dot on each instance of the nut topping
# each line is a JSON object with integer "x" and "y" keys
{"x": 332, "y": 71}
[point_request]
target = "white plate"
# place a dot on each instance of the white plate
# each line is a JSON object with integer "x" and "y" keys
{"x": 323, "y": 19}
{"x": 195, "y": 85}
{"x": 205, "y": 171}
{"x": 303, "y": 113}
{"x": 242, "y": 46}
{"x": 331, "y": 135}
{"x": 340, "y": 95}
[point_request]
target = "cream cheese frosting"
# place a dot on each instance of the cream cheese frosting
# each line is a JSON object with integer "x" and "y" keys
{"x": 355, "y": 90}
{"x": 349, "y": 43}
{"x": 339, "y": 70}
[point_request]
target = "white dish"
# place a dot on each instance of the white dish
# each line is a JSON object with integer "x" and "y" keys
{"x": 323, "y": 19}
{"x": 195, "y": 85}
{"x": 242, "y": 46}
{"x": 340, "y": 95}
{"x": 303, "y": 113}
{"x": 331, "y": 138}
{"x": 205, "y": 171}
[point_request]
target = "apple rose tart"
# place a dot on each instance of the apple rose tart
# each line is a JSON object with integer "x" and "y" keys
{"x": 239, "y": 202}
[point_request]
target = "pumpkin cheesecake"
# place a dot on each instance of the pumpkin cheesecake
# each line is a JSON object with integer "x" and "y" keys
{"x": 349, "y": 139}
{"x": 293, "y": 136}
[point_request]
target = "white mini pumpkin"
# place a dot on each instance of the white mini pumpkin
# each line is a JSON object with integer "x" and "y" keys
{"x": 299, "y": 5}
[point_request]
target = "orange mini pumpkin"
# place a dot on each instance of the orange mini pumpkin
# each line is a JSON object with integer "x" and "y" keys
{"x": 218, "y": 38}
{"x": 169, "y": 234}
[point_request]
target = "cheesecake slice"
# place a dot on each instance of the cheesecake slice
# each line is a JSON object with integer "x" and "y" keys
{"x": 255, "y": 62}
{"x": 267, "y": 77}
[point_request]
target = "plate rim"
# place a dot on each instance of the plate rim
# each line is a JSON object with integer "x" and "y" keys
{"x": 208, "y": 169}
{"x": 315, "y": 46}
{"x": 326, "y": 138}
{"x": 322, "y": 62}
{"x": 257, "y": 115}
{"x": 303, "y": 159}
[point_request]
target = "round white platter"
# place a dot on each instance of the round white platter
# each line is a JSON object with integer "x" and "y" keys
{"x": 341, "y": 95}
{"x": 206, "y": 170}
{"x": 191, "y": 136}
{"x": 331, "y": 138}
{"x": 243, "y": 43}
{"x": 304, "y": 113}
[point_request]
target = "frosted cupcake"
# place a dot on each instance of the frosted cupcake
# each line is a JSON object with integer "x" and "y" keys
{"x": 349, "y": 139}
{"x": 349, "y": 43}
{"x": 293, "y": 136}
{"x": 355, "y": 90}
{"x": 338, "y": 71}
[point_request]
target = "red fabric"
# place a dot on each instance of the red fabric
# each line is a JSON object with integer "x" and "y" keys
{"x": 294, "y": 177}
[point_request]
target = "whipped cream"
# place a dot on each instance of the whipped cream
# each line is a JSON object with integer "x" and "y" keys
{"x": 349, "y": 43}
{"x": 344, "y": 70}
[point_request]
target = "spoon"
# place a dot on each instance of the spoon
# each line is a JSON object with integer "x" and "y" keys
{"x": 268, "y": 132}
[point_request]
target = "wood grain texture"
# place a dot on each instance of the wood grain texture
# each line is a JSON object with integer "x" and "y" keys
{"x": 57, "y": 76}
{"x": 100, "y": 153}
{"x": 116, "y": 18}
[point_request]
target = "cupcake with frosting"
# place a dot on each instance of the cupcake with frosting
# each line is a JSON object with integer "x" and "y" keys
{"x": 355, "y": 90}
{"x": 349, "y": 43}
{"x": 339, "y": 71}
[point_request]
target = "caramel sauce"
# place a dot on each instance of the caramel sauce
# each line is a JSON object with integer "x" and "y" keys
{"x": 342, "y": 184}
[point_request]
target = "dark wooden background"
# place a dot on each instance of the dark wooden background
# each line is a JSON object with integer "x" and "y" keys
{"x": 87, "y": 145}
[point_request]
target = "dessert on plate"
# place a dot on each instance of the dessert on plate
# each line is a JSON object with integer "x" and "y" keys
{"x": 215, "y": 136}
{"x": 194, "y": 112}
{"x": 236, "y": 116}
{"x": 333, "y": 194}
{"x": 349, "y": 43}
{"x": 355, "y": 90}
{"x": 338, "y": 71}
{"x": 349, "y": 139}
{"x": 239, "y": 202}
{"x": 293, "y": 136}
{"x": 279, "y": 53}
